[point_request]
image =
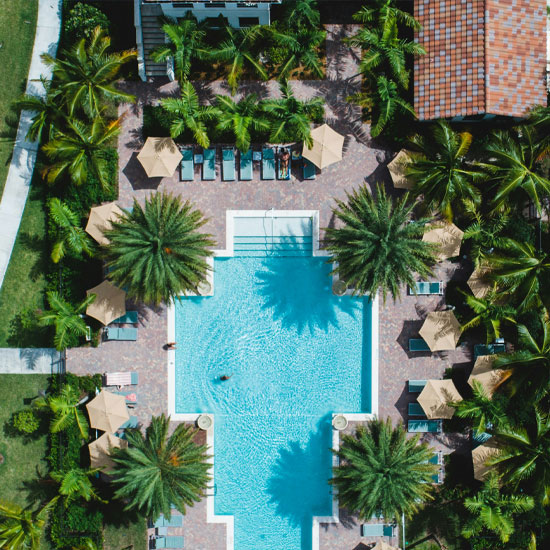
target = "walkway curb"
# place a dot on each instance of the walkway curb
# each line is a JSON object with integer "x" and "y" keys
{"x": 29, "y": 360}
{"x": 22, "y": 163}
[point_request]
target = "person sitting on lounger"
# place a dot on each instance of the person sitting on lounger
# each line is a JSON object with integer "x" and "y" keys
{"x": 285, "y": 156}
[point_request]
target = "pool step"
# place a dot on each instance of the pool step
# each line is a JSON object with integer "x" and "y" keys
{"x": 288, "y": 245}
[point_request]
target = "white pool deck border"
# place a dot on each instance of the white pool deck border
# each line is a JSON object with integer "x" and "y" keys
{"x": 228, "y": 520}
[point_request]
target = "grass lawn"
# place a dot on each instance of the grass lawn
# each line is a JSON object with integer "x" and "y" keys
{"x": 22, "y": 455}
{"x": 18, "y": 22}
{"x": 132, "y": 534}
{"x": 25, "y": 282}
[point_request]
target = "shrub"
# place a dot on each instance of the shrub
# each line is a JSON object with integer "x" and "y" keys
{"x": 69, "y": 527}
{"x": 25, "y": 421}
{"x": 83, "y": 19}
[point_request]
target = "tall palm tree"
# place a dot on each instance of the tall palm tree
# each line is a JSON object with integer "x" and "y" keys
{"x": 156, "y": 251}
{"x": 188, "y": 114}
{"x": 85, "y": 74}
{"x": 70, "y": 236}
{"x": 21, "y": 528}
{"x": 66, "y": 410}
{"x": 290, "y": 118}
{"x": 237, "y": 50}
{"x": 383, "y": 51}
{"x": 301, "y": 13}
{"x": 158, "y": 470}
{"x": 386, "y": 15}
{"x": 511, "y": 161}
{"x": 381, "y": 470}
{"x": 493, "y": 511}
{"x": 443, "y": 175}
{"x": 523, "y": 272}
{"x": 75, "y": 484}
{"x": 66, "y": 318}
{"x": 490, "y": 313}
{"x": 239, "y": 118}
{"x": 379, "y": 247}
{"x": 301, "y": 47}
{"x": 186, "y": 43}
{"x": 78, "y": 150}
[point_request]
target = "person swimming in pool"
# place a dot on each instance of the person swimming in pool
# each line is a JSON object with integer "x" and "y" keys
{"x": 225, "y": 377}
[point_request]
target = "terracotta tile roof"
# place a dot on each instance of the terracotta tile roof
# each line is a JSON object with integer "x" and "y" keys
{"x": 484, "y": 56}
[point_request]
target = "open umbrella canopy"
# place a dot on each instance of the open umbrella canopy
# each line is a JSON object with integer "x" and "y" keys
{"x": 441, "y": 330}
{"x": 485, "y": 374}
{"x": 107, "y": 411}
{"x": 480, "y": 456}
{"x": 448, "y": 237}
{"x": 398, "y": 166}
{"x": 327, "y": 147}
{"x": 100, "y": 220}
{"x": 159, "y": 157}
{"x": 436, "y": 395}
{"x": 100, "y": 451}
{"x": 478, "y": 282}
{"x": 110, "y": 302}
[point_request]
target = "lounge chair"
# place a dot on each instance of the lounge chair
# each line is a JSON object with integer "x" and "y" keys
{"x": 228, "y": 164}
{"x": 436, "y": 458}
{"x": 245, "y": 166}
{"x": 131, "y": 396}
{"x": 416, "y": 386}
{"x": 121, "y": 333}
{"x": 416, "y": 410}
{"x": 427, "y": 288}
{"x": 130, "y": 318}
{"x": 286, "y": 174}
{"x": 424, "y": 426}
{"x": 376, "y": 530}
{"x": 187, "y": 167}
{"x": 169, "y": 542}
{"x": 175, "y": 521}
{"x": 131, "y": 423}
{"x": 209, "y": 164}
{"x": 121, "y": 379}
{"x": 268, "y": 163}
{"x": 489, "y": 349}
{"x": 418, "y": 344}
{"x": 308, "y": 170}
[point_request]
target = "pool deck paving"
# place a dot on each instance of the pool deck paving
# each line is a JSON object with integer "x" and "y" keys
{"x": 363, "y": 163}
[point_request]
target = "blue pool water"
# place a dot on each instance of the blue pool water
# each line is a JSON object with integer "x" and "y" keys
{"x": 296, "y": 354}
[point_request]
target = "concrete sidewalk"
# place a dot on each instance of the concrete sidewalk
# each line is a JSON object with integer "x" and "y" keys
{"x": 29, "y": 360}
{"x": 22, "y": 163}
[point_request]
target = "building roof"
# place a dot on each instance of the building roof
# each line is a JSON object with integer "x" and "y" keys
{"x": 483, "y": 56}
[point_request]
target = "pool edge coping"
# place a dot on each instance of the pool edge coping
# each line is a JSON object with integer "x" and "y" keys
{"x": 228, "y": 520}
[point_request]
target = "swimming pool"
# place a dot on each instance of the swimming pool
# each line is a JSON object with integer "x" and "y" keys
{"x": 295, "y": 353}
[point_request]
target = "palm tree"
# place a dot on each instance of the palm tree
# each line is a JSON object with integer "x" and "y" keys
{"x": 70, "y": 235}
{"x": 379, "y": 247}
{"x": 75, "y": 484}
{"x": 290, "y": 117}
{"x": 490, "y": 313}
{"x": 158, "y": 470}
{"x": 156, "y": 251}
{"x": 381, "y": 470}
{"x": 442, "y": 174}
{"x": 186, "y": 42}
{"x": 386, "y": 15}
{"x": 239, "y": 118}
{"x": 66, "y": 318}
{"x": 85, "y": 75}
{"x": 188, "y": 114}
{"x": 384, "y": 52}
{"x": 301, "y": 13}
{"x": 65, "y": 407}
{"x": 494, "y": 511}
{"x": 529, "y": 364}
{"x": 302, "y": 49}
{"x": 523, "y": 272}
{"x": 237, "y": 50}
{"x": 511, "y": 162}
{"x": 21, "y": 528}
{"x": 79, "y": 149}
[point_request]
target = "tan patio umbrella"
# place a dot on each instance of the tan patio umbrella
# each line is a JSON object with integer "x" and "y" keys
{"x": 381, "y": 545}
{"x": 327, "y": 147}
{"x": 100, "y": 449}
{"x": 107, "y": 411}
{"x": 434, "y": 398}
{"x": 100, "y": 220}
{"x": 485, "y": 374}
{"x": 441, "y": 330}
{"x": 159, "y": 157}
{"x": 109, "y": 304}
{"x": 448, "y": 237}
{"x": 480, "y": 457}
{"x": 398, "y": 166}
{"x": 478, "y": 282}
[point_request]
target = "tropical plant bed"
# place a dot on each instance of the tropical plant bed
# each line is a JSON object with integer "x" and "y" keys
{"x": 125, "y": 534}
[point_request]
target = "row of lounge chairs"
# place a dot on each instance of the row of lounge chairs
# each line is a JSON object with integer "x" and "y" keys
{"x": 116, "y": 332}
{"x": 272, "y": 165}
{"x": 426, "y": 288}
{"x": 162, "y": 538}
{"x": 420, "y": 424}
